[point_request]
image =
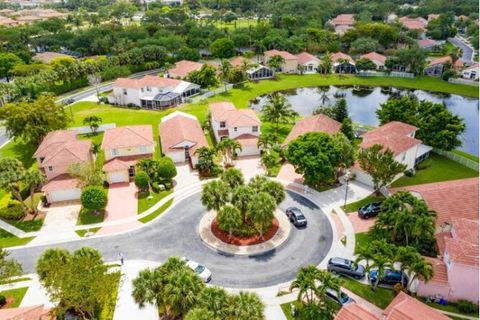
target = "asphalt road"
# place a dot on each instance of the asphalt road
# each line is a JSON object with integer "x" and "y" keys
{"x": 467, "y": 54}
{"x": 176, "y": 234}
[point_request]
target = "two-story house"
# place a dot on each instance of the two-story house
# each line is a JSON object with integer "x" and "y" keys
{"x": 123, "y": 147}
{"x": 242, "y": 125}
{"x": 57, "y": 153}
{"x": 290, "y": 63}
{"x": 400, "y": 138}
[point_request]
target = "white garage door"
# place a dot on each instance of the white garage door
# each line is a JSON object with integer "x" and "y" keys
{"x": 249, "y": 151}
{"x": 117, "y": 177}
{"x": 65, "y": 195}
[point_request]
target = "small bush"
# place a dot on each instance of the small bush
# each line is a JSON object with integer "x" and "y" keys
{"x": 3, "y": 300}
{"x": 155, "y": 187}
{"x": 141, "y": 180}
{"x": 94, "y": 198}
{"x": 13, "y": 211}
{"x": 409, "y": 173}
{"x": 466, "y": 306}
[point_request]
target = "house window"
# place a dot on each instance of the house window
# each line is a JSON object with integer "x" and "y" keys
{"x": 41, "y": 159}
{"x": 255, "y": 129}
{"x": 235, "y": 129}
{"x": 222, "y": 124}
{"x": 143, "y": 149}
{"x": 149, "y": 89}
{"x": 115, "y": 152}
{"x": 124, "y": 92}
{"x": 50, "y": 168}
{"x": 404, "y": 155}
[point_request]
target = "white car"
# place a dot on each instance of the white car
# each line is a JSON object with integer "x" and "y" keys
{"x": 201, "y": 270}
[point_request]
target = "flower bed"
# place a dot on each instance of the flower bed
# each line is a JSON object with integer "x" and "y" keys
{"x": 244, "y": 241}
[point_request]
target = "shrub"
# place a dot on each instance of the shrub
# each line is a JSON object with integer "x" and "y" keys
{"x": 13, "y": 211}
{"x": 94, "y": 198}
{"x": 466, "y": 306}
{"x": 166, "y": 169}
{"x": 141, "y": 180}
{"x": 155, "y": 187}
{"x": 409, "y": 173}
{"x": 3, "y": 300}
{"x": 448, "y": 74}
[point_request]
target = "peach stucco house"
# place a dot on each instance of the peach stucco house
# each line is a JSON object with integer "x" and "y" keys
{"x": 377, "y": 58}
{"x": 56, "y": 154}
{"x": 182, "y": 69}
{"x": 317, "y": 123}
{"x": 123, "y": 147}
{"x": 290, "y": 64}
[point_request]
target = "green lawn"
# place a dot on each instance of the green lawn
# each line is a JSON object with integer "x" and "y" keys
{"x": 354, "y": 206}
{"x": 450, "y": 307}
{"x": 96, "y": 139}
{"x": 15, "y": 280}
{"x": 156, "y": 213}
{"x": 144, "y": 203}
{"x": 361, "y": 239}
{"x": 83, "y": 232}
{"x": 27, "y": 226}
{"x": 86, "y": 217}
{"x": 466, "y": 155}
{"x": 17, "y": 295}
{"x": 286, "y": 308}
{"x": 9, "y": 240}
{"x": 381, "y": 297}
{"x": 435, "y": 169}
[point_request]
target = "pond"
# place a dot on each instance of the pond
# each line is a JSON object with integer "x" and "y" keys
{"x": 363, "y": 102}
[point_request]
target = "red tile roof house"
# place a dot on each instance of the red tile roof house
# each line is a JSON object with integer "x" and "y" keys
{"x": 419, "y": 24}
{"x": 456, "y": 203}
{"x": 242, "y": 125}
{"x": 123, "y": 147}
{"x": 343, "y": 63}
{"x": 317, "y": 123}
{"x": 309, "y": 62}
{"x": 342, "y": 23}
{"x": 182, "y": 69}
{"x": 399, "y": 137}
{"x": 428, "y": 44}
{"x": 377, "y": 58}
{"x": 151, "y": 92}
{"x": 291, "y": 61}
{"x": 58, "y": 151}
{"x": 37, "y": 312}
{"x": 181, "y": 135}
{"x": 436, "y": 67}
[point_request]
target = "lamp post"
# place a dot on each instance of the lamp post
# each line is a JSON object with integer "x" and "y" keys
{"x": 347, "y": 177}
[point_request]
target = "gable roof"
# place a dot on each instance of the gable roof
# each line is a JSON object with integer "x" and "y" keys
{"x": 305, "y": 57}
{"x": 413, "y": 23}
{"x": 441, "y": 60}
{"x": 183, "y": 68}
{"x": 440, "y": 274}
{"x": 404, "y": 307}
{"x": 178, "y": 127}
{"x": 152, "y": 81}
{"x": 343, "y": 19}
{"x": 53, "y": 141}
{"x": 354, "y": 311}
{"x": 233, "y": 117}
{"x": 317, "y": 123}
{"x": 61, "y": 182}
{"x": 427, "y": 42}
{"x": 392, "y": 135}
{"x": 284, "y": 54}
{"x": 238, "y": 61}
{"x": 375, "y": 57}
{"x": 463, "y": 246}
{"x": 340, "y": 55}
{"x": 128, "y": 136}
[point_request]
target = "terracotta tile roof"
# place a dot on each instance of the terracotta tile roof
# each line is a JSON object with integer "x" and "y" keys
{"x": 427, "y": 42}
{"x": 317, "y": 123}
{"x": 123, "y": 163}
{"x": 354, "y": 311}
{"x": 441, "y": 60}
{"x": 61, "y": 182}
{"x": 343, "y": 19}
{"x": 70, "y": 153}
{"x": 284, "y": 54}
{"x": 178, "y": 127}
{"x": 152, "y": 81}
{"x": 375, "y": 57}
{"x": 393, "y": 136}
{"x": 7, "y": 22}
{"x": 305, "y": 57}
{"x": 183, "y": 68}
{"x": 26, "y": 313}
{"x": 233, "y": 117}
{"x": 413, "y": 23}
{"x": 340, "y": 55}
{"x": 53, "y": 141}
{"x": 127, "y": 137}
{"x": 440, "y": 238}
{"x": 404, "y": 307}
{"x": 440, "y": 274}
{"x": 238, "y": 61}
{"x": 247, "y": 140}
{"x": 449, "y": 199}
{"x": 463, "y": 246}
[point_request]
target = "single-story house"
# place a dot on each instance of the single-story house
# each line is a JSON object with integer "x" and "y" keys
{"x": 436, "y": 67}
{"x": 260, "y": 72}
{"x": 428, "y": 44}
{"x": 290, "y": 64}
{"x": 181, "y": 135}
{"x": 343, "y": 63}
{"x": 317, "y": 123}
{"x": 123, "y": 147}
{"x": 309, "y": 62}
{"x": 418, "y": 24}
{"x": 182, "y": 69}
{"x": 342, "y": 23}
{"x": 151, "y": 92}
{"x": 471, "y": 73}
{"x": 239, "y": 61}
{"x": 377, "y": 58}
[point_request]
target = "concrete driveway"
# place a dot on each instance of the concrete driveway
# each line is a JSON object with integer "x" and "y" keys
{"x": 59, "y": 224}
{"x": 287, "y": 172}
{"x": 250, "y": 166}
{"x": 185, "y": 176}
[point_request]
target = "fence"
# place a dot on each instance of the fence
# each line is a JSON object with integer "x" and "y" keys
{"x": 393, "y": 74}
{"x": 457, "y": 158}
{"x": 87, "y": 129}
{"x": 210, "y": 93}
{"x": 463, "y": 81}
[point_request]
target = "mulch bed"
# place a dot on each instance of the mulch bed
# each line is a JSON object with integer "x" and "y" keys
{"x": 244, "y": 241}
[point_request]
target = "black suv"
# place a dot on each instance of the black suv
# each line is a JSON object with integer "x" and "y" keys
{"x": 296, "y": 217}
{"x": 390, "y": 277}
{"x": 370, "y": 210}
{"x": 346, "y": 267}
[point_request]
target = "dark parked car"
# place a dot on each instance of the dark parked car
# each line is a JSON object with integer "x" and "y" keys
{"x": 296, "y": 217}
{"x": 370, "y": 210}
{"x": 390, "y": 277}
{"x": 346, "y": 267}
{"x": 340, "y": 298}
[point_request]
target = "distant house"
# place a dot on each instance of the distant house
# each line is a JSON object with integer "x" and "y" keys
{"x": 239, "y": 61}
{"x": 471, "y": 73}
{"x": 343, "y": 63}
{"x": 7, "y": 22}
{"x": 436, "y": 67}
{"x": 308, "y": 62}
{"x": 418, "y": 24}
{"x": 429, "y": 44}
{"x": 56, "y": 154}
{"x": 242, "y": 125}
{"x": 47, "y": 57}
{"x": 123, "y": 147}
{"x": 377, "y": 58}
{"x": 290, "y": 65}
{"x": 342, "y": 23}
{"x": 317, "y": 123}
{"x": 180, "y": 136}
{"x": 182, "y": 69}
{"x": 400, "y": 138}
{"x": 260, "y": 72}
{"x": 151, "y": 92}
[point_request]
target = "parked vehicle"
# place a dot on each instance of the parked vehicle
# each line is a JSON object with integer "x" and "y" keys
{"x": 390, "y": 277}
{"x": 370, "y": 210}
{"x": 199, "y": 269}
{"x": 346, "y": 267}
{"x": 296, "y": 217}
{"x": 339, "y": 297}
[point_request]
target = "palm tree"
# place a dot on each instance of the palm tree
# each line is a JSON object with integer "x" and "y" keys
{"x": 278, "y": 110}
{"x": 225, "y": 69}
{"x": 326, "y": 63}
{"x": 233, "y": 178}
{"x": 267, "y": 140}
{"x": 200, "y": 314}
{"x": 206, "y": 160}
{"x": 214, "y": 195}
{"x": 215, "y": 300}
{"x": 261, "y": 211}
{"x": 228, "y": 147}
{"x": 405, "y": 256}
{"x": 275, "y": 62}
{"x": 229, "y": 218}
{"x": 183, "y": 290}
{"x": 241, "y": 198}
{"x": 420, "y": 267}
{"x": 246, "y": 306}
{"x": 34, "y": 180}
{"x": 306, "y": 283}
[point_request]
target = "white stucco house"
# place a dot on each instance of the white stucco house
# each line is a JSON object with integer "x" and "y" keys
{"x": 308, "y": 62}
{"x": 471, "y": 73}
{"x": 242, "y": 125}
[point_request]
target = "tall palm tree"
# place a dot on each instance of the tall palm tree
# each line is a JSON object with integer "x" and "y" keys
{"x": 267, "y": 140}
{"x": 229, "y": 218}
{"x": 278, "y": 110}
{"x": 228, "y": 147}
{"x": 183, "y": 290}
{"x": 241, "y": 198}
{"x": 306, "y": 283}
{"x": 405, "y": 256}
{"x": 261, "y": 211}
{"x": 225, "y": 69}
{"x": 246, "y": 306}
{"x": 233, "y": 178}
{"x": 420, "y": 267}
{"x": 34, "y": 180}
{"x": 215, "y": 300}
{"x": 326, "y": 64}
{"x": 200, "y": 314}
{"x": 214, "y": 195}
{"x": 276, "y": 62}
{"x": 206, "y": 160}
